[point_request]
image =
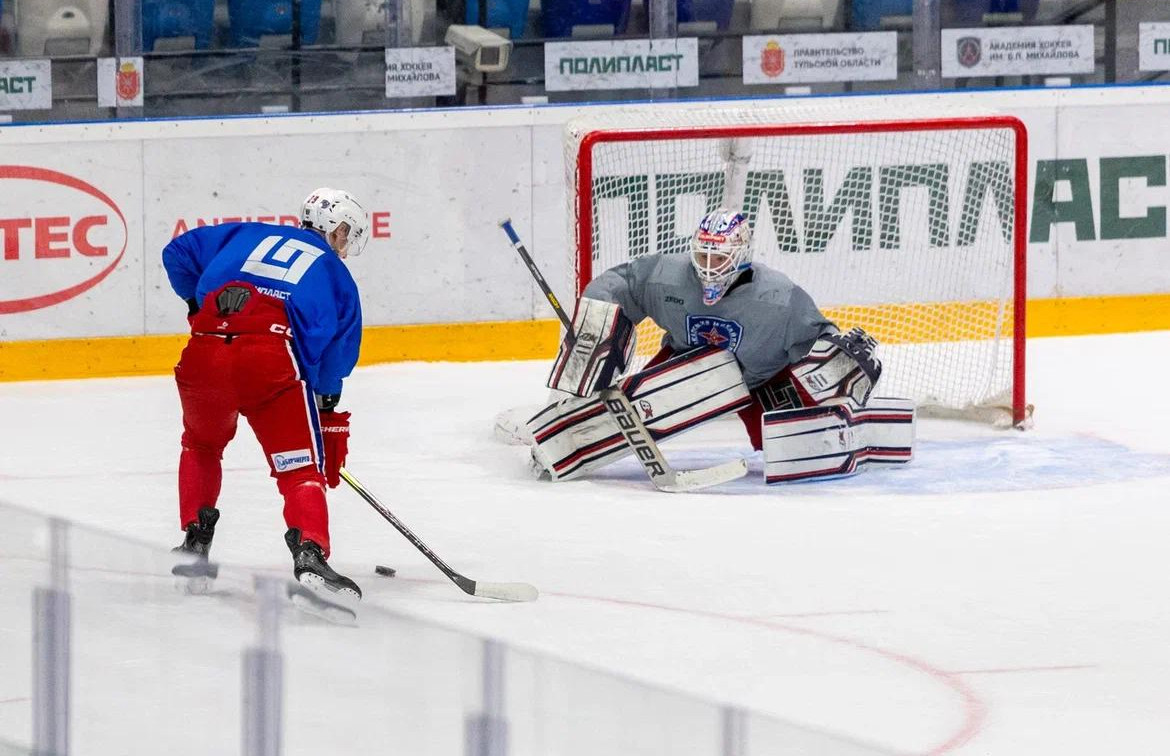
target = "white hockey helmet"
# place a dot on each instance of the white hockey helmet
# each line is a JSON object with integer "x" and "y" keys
{"x": 325, "y": 209}
{"x": 721, "y": 249}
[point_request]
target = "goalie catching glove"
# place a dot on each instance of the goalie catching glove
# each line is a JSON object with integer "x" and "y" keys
{"x": 838, "y": 366}
{"x": 596, "y": 351}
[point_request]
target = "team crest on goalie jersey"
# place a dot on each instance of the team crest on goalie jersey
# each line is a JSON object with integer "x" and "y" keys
{"x": 708, "y": 331}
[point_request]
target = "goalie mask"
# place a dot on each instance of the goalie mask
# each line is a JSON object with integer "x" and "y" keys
{"x": 721, "y": 249}
{"x": 325, "y": 209}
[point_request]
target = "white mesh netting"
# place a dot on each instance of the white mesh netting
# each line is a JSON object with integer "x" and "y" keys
{"x": 907, "y": 229}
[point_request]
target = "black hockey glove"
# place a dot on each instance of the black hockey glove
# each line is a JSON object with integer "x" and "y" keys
{"x": 861, "y": 347}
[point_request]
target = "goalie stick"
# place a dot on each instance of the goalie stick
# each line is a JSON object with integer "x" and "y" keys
{"x": 501, "y": 591}
{"x": 661, "y": 474}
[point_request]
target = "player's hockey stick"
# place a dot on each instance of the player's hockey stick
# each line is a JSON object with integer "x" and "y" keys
{"x": 661, "y": 474}
{"x": 501, "y": 591}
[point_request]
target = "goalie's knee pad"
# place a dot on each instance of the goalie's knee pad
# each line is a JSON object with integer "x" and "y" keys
{"x": 578, "y": 435}
{"x": 596, "y": 351}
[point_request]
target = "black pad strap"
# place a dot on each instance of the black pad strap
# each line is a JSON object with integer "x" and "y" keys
{"x": 861, "y": 347}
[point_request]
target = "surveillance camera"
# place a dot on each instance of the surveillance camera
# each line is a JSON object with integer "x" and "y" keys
{"x": 487, "y": 51}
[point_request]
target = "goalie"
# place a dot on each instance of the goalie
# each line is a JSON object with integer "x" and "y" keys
{"x": 738, "y": 338}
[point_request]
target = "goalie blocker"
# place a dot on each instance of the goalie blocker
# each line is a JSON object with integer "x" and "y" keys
{"x": 596, "y": 351}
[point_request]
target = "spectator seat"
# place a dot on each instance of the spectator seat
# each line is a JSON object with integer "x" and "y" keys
{"x": 558, "y": 17}
{"x": 61, "y": 27}
{"x": 696, "y": 12}
{"x": 875, "y": 15}
{"x": 794, "y": 15}
{"x": 269, "y": 22}
{"x": 181, "y": 23}
{"x": 973, "y": 13}
{"x": 364, "y": 21}
{"x": 501, "y": 14}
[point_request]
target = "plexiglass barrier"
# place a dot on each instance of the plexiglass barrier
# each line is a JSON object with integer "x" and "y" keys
{"x": 100, "y": 59}
{"x": 101, "y": 655}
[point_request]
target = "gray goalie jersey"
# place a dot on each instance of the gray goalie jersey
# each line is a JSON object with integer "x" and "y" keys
{"x": 766, "y": 320}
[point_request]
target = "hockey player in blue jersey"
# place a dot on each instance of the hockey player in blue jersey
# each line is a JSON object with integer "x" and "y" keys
{"x": 275, "y": 328}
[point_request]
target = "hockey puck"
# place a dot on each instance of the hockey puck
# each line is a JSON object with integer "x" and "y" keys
{"x": 382, "y": 569}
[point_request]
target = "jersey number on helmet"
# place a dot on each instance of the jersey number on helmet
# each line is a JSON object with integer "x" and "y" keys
{"x": 287, "y": 263}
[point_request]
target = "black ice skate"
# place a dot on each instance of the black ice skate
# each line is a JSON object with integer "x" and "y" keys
{"x": 328, "y": 594}
{"x": 196, "y": 573}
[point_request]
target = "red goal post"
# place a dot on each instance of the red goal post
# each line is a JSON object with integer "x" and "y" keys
{"x": 946, "y": 300}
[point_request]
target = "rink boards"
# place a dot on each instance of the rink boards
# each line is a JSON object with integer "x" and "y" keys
{"x": 89, "y": 206}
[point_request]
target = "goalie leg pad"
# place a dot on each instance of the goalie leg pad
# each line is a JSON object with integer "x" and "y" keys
{"x": 596, "y": 351}
{"x": 578, "y": 435}
{"x": 572, "y": 437}
{"x": 836, "y": 440}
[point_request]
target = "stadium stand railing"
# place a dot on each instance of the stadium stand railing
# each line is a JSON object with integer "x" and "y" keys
{"x": 219, "y": 57}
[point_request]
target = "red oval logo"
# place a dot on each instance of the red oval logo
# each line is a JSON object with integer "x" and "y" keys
{"x": 54, "y": 230}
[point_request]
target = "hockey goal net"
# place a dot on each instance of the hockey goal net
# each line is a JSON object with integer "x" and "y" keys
{"x": 912, "y": 228}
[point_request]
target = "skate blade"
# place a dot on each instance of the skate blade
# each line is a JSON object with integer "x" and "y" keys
{"x": 196, "y": 578}
{"x": 314, "y": 597}
{"x": 194, "y": 586}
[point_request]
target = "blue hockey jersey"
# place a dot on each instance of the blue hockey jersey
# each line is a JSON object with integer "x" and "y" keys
{"x": 290, "y": 264}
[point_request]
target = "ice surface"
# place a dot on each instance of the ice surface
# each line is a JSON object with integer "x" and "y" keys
{"x": 1006, "y": 593}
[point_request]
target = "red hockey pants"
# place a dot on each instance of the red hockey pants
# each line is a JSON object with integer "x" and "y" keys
{"x": 254, "y": 375}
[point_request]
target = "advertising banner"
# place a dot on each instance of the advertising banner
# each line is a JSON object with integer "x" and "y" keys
{"x": 1154, "y": 47}
{"x": 1098, "y": 209}
{"x": 119, "y": 82}
{"x": 25, "y": 85}
{"x": 808, "y": 58}
{"x": 436, "y": 253}
{"x": 71, "y": 263}
{"x": 1017, "y": 51}
{"x": 420, "y": 71}
{"x": 83, "y": 223}
{"x": 621, "y": 64}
